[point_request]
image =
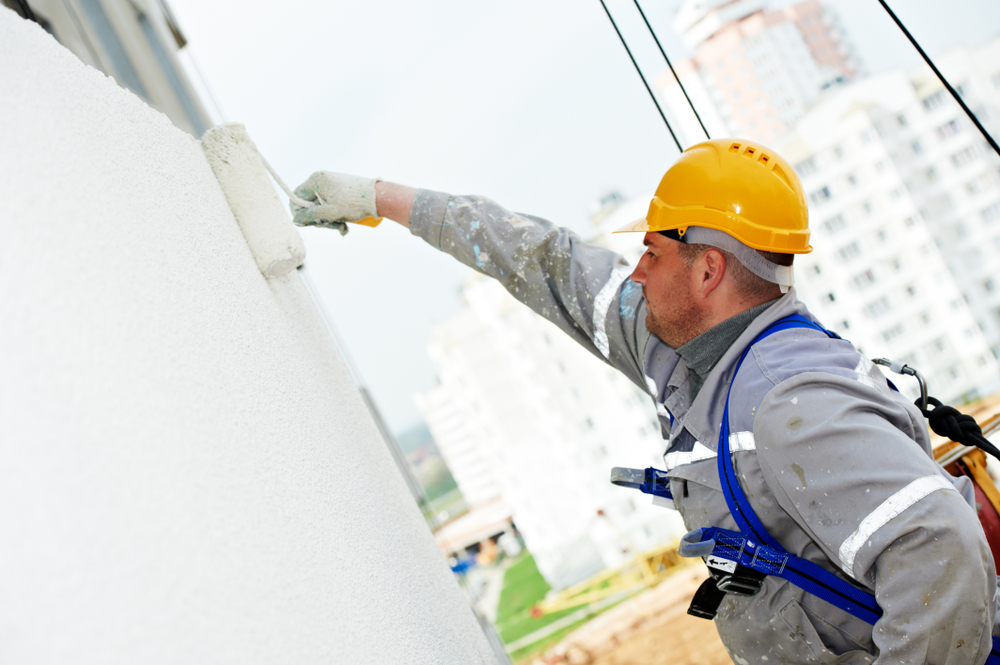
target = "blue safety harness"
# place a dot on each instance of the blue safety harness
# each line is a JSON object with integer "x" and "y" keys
{"x": 752, "y": 548}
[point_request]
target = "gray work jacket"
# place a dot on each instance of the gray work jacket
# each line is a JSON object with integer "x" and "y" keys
{"x": 836, "y": 465}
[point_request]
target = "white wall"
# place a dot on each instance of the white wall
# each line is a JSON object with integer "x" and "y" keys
{"x": 188, "y": 473}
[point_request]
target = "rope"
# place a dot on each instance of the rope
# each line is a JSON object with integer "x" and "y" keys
{"x": 648, "y": 89}
{"x": 947, "y": 421}
{"x": 676, "y": 77}
{"x": 958, "y": 98}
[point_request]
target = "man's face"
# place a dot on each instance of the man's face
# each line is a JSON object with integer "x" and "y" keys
{"x": 669, "y": 287}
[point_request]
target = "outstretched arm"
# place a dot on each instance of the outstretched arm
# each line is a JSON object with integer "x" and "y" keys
{"x": 585, "y": 290}
{"x": 394, "y": 201}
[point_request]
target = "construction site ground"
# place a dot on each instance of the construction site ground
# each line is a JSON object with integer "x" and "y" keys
{"x": 652, "y": 628}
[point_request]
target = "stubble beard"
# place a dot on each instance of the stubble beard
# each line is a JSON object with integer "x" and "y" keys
{"x": 686, "y": 321}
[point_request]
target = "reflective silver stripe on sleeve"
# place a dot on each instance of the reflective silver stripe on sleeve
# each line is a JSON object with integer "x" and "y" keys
{"x": 698, "y": 453}
{"x": 601, "y": 304}
{"x": 738, "y": 442}
{"x": 890, "y": 508}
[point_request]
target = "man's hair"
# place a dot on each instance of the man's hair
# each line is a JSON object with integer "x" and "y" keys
{"x": 747, "y": 284}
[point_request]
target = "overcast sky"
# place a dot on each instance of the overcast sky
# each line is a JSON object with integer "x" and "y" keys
{"x": 533, "y": 103}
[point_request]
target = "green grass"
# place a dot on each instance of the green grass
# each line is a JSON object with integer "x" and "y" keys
{"x": 523, "y": 586}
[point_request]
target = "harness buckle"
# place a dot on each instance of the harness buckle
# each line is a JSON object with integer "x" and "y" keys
{"x": 742, "y": 586}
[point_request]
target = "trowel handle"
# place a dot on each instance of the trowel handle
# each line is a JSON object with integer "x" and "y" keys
{"x": 369, "y": 221}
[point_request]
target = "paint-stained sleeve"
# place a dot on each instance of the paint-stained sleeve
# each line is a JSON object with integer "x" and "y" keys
{"x": 583, "y": 289}
{"x": 841, "y": 460}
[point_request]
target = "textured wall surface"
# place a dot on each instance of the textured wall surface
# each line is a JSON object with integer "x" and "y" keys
{"x": 187, "y": 474}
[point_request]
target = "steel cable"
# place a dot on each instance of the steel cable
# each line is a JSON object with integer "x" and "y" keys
{"x": 954, "y": 93}
{"x": 639, "y": 71}
{"x": 672, "y": 71}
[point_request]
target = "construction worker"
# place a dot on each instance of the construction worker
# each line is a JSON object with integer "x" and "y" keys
{"x": 835, "y": 464}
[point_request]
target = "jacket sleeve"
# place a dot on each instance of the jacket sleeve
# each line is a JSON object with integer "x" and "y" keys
{"x": 583, "y": 289}
{"x": 841, "y": 460}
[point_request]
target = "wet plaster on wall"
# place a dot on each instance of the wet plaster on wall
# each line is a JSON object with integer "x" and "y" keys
{"x": 188, "y": 472}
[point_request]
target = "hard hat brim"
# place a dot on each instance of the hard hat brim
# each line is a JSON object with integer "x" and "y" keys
{"x": 640, "y": 225}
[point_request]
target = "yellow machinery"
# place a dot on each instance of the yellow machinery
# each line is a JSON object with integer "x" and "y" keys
{"x": 645, "y": 570}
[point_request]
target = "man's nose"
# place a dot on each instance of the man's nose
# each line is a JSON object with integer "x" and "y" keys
{"x": 639, "y": 274}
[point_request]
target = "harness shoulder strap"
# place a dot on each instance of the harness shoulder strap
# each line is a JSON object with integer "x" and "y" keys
{"x": 753, "y": 546}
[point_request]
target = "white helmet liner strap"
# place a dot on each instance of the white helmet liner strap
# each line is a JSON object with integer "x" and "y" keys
{"x": 748, "y": 256}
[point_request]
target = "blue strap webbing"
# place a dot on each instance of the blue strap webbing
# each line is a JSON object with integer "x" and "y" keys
{"x": 994, "y": 657}
{"x": 767, "y": 555}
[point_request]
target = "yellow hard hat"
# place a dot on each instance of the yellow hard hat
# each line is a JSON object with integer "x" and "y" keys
{"x": 736, "y": 186}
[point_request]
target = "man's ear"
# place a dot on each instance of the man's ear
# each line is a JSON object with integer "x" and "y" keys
{"x": 711, "y": 269}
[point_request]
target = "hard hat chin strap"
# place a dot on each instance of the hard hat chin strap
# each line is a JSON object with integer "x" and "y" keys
{"x": 748, "y": 256}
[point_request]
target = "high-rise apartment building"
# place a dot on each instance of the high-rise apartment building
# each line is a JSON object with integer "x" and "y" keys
{"x": 904, "y": 198}
{"x": 755, "y": 70}
{"x": 523, "y": 410}
{"x": 134, "y": 41}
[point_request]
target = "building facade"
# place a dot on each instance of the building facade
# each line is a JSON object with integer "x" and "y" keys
{"x": 136, "y": 42}
{"x": 754, "y": 70}
{"x": 524, "y": 411}
{"x": 904, "y": 198}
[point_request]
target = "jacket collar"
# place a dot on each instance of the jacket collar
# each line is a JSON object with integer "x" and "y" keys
{"x": 703, "y": 418}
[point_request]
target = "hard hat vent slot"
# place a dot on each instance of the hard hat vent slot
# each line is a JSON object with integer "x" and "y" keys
{"x": 748, "y": 152}
{"x": 764, "y": 159}
{"x": 734, "y": 147}
{"x": 778, "y": 171}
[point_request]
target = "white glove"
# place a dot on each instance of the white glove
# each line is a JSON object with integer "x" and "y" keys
{"x": 339, "y": 198}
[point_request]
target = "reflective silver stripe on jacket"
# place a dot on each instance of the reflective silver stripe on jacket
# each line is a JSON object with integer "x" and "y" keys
{"x": 601, "y": 304}
{"x": 890, "y": 508}
{"x": 738, "y": 442}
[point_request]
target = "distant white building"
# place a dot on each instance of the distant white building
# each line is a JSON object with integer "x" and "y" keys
{"x": 522, "y": 408}
{"x": 754, "y": 70}
{"x": 905, "y": 204}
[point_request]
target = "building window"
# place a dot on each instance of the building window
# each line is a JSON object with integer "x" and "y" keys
{"x": 948, "y": 129}
{"x": 831, "y": 297}
{"x": 990, "y": 213}
{"x": 877, "y": 308}
{"x": 866, "y": 137}
{"x": 934, "y": 101}
{"x": 849, "y": 251}
{"x": 820, "y": 196}
{"x": 863, "y": 280}
{"x": 909, "y": 221}
{"x": 113, "y": 48}
{"x": 963, "y": 157}
{"x": 835, "y": 223}
{"x": 917, "y": 147}
{"x": 893, "y": 333}
{"x": 930, "y": 174}
{"x": 901, "y": 120}
{"x": 806, "y": 167}
{"x": 980, "y": 183}
{"x": 990, "y": 286}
